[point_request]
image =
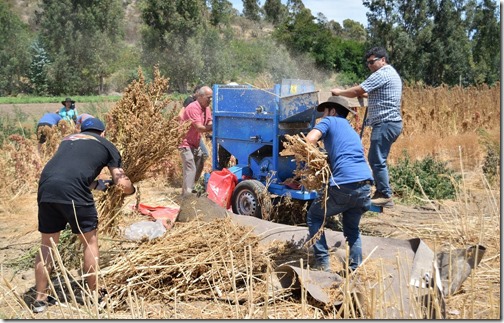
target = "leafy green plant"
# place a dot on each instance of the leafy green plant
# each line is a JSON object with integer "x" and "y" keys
{"x": 435, "y": 179}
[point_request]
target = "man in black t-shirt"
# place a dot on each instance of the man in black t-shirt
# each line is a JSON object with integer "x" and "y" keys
{"x": 64, "y": 196}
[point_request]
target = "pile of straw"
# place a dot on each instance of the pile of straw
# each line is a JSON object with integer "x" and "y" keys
{"x": 197, "y": 260}
{"x": 144, "y": 135}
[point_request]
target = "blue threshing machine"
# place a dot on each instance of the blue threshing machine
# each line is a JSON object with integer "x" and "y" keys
{"x": 251, "y": 123}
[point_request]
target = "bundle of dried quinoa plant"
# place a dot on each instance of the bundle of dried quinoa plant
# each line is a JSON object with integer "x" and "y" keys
{"x": 312, "y": 167}
{"x": 22, "y": 164}
{"x": 54, "y": 135}
{"x": 145, "y": 137}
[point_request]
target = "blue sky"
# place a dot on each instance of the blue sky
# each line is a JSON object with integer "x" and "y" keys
{"x": 337, "y": 10}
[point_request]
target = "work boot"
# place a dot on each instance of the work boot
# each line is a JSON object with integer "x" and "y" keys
{"x": 380, "y": 199}
{"x": 390, "y": 204}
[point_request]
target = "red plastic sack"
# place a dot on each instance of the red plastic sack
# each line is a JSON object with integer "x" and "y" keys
{"x": 167, "y": 215}
{"x": 220, "y": 187}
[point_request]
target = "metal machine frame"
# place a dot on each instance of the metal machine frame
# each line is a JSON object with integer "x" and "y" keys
{"x": 250, "y": 123}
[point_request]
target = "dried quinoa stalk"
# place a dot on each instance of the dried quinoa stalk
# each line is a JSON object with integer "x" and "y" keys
{"x": 312, "y": 166}
{"x": 144, "y": 135}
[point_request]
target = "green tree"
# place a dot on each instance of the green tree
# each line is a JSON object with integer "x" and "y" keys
{"x": 353, "y": 30}
{"x": 221, "y": 12}
{"x": 452, "y": 41}
{"x": 274, "y": 11}
{"x": 38, "y": 69}
{"x": 83, "y": 40}
{"x": 173, "y": 38}
{"x": 295, "y": 7}
{"x": 14, "y": 51}
{"x": 302, "y": 34}
{"x": 485, "y": 31}
{"x": 252, "y": 10}
{"x": 449, "y": 50}
{"x": 413, "y": 35}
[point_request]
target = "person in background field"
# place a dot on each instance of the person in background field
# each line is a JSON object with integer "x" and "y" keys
{"x": 68, "y": 111}
{"x": 349, "y": 188}
{"x": 64, "y": 196}
{"x": 81, "y": 118}
{"x": 190, "y": 99}
{"x": 200, "y": 116}
{"x": 384, "y": 90}
{"x": 48, "y": 119}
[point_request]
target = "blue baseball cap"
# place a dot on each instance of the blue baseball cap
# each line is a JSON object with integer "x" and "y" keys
{"x": 92, "y": 124}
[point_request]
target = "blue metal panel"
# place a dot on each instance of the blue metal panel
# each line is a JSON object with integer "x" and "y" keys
{"x": 295, "y": 86}
{"x": 245, "y": 101}
{"x": 376, "y": 208}
{"x": 247, "y": 129}
{"x": 298, "y": 107}
{"x": 283, "y": 190}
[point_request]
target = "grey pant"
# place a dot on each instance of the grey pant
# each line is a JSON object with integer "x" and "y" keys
{"x": 192, "y": 166}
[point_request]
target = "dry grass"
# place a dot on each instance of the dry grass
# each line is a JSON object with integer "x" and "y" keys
{"x": 440, "y": 121}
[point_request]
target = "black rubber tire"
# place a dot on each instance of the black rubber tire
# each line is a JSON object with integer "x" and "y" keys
{"x": 245, "y": 199}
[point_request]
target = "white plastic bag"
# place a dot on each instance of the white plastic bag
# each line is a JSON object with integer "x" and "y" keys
{"x": 148, "y": 229}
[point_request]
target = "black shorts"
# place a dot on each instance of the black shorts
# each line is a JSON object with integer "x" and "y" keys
{"x": 53, "y": 217}
{"x": 40, "y": 134}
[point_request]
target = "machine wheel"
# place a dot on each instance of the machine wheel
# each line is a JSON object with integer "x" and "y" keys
{"x": 245, "y": 199}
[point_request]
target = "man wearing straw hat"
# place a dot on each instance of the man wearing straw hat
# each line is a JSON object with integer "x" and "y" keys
{"x": 349, "y": 188}
{"x": 64, "y": 196}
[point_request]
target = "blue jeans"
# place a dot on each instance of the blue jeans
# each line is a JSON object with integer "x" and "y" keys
{"x": 352, "y": 200}
{"x": 204, "y": 150}
{"x": 383, "y": 136}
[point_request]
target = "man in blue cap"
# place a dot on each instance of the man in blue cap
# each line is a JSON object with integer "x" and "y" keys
{"x": 64, "y": 196}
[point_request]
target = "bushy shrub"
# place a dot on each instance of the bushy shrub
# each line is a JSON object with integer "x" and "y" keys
{"x": 491, "y": 163}
{"x": 436, "y": 180}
